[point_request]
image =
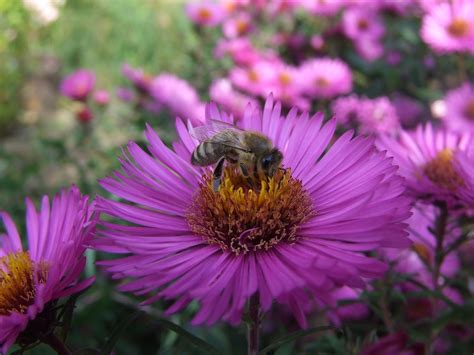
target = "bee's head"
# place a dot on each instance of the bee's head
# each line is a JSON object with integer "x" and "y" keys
{"x": 271, "y": 162}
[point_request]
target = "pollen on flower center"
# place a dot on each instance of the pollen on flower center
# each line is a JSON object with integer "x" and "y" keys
{"x": 285, "y": 78}
{"x": 322, "y": 82}
{"x": 252, "y": 75}
{"x": 459, "y": 27}
{"x": 469, "y": 110}
{"x": 18, "y": 279}
{"x": 240, "y": 219}
{"x": 440, "y": 170}
{"x": 204, "y": 14}
{"x": 362, "y": 24}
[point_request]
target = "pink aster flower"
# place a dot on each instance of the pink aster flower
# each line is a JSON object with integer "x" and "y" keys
{"x": 101, "y": 97}
{"x": 427, "y": 159}
{"x": 48, "y": 270}
{"x": 138, "y": 77}
{"x": 362, "y": 23}
{"x": 178, "y": 96}
{"x": 205, "y": 13}
{"x": 78, "y": 85}
{"x": 253, "y": 79}
{"x": 409, "y": 111}
{"x": 126, "y": 95}
{"x": 346, "y": 110}
{"x": 449, "y": 26}
{"x": 330, "y": 204}
{"x": 222, "y": 92}
{"x": 237, "y": 26}
{"x": 378, "y": 115}
{"x": 369, "y": 49}
{"x": 321, "y": 7}
{"x": 240, "y": 50}
{"x": 326, "y": 78}
{"x": 460, "y": 108}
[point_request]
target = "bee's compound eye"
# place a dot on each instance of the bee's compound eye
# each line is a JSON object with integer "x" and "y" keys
{"x": 267, "y": 160}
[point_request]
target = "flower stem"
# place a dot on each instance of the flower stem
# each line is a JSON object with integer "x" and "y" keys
{"x": 253, "y": 326}
{"x": 56, "y": 344}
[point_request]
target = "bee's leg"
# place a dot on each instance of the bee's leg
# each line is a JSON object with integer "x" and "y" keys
{"x": 245, "y": 173}
{"x": 217, "y": 175}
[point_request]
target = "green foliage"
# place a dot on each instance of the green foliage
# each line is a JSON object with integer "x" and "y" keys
{"x": 14, "y": 27}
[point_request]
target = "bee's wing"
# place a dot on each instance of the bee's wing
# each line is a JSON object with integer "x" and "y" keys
{"x": 219, "y": 132}
{"x": 206, "y": 132}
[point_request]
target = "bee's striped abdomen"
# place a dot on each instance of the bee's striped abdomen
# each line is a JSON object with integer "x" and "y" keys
{"x": 206, "y": 153}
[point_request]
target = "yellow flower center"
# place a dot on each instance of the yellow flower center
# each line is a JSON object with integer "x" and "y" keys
{"x": 362, "y": 24}
{"x": 469, "y": 110}
{"x": 285, "y": 78}
{"x": 18, "y": 282}
{"x": 204, "y": 14}
{"x": 459, "y": 28}
{"x": 252, "y": 75}
{"x": 321, "y": 82}
{"x": 440, "y": 170}
{"x": 242, "y": 26}
{"x": 241, "y": 219}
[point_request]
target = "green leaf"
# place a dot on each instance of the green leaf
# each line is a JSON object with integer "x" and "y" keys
{"x": 293, "y": 336}
{"x": 200, "y": 344}
{"x": 114, "y": 336}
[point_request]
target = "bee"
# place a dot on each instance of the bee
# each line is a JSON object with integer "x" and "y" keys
{"x": 251, "y": 152}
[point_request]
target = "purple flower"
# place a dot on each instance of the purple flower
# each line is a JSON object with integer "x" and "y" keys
{"x": 178, "y": 96}
{"x": 409, "y": 111}
{"x": 138, "y": 78}
{"x": 449, "y": 26}
{"x": 378, "y": 116}
{"x": 125, "y": 94}
{"x": 290, "y": 238}
{"x": 371, "y": 116}
{"x": 237, "y": 26}
{"x": 428, "y": 159}
{"x": 101, "y": 97}
{"x": 361, "y": 23}
{"x": 49, "y": 270}
{"x": 78, "y": 85}
{"x": 460, "y": 108}
{"x": 205, "y": 13}
{"x": 222, "y": 92}
{"x": 326, "y": 78}
{"x": 369, "y": 49}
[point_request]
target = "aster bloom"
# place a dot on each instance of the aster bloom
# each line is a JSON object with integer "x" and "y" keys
{"x": 138, "y": 77}
{"x": 101, "y": 97}
{"x": 222, "y": 92}
{"x": 126, "y": 95}
{"x": 321, "y": 7}
{"x": 449, "y": 26}
{"x": 369, "y": 49}
{"x": 378, "y": 115}
{"x": 239, "y": 25}
{"x": 205, "y": 13}
{"x": 78, "y": 85}
{"x": 409, "y": 110}
{"x": 459, "y": 114}
{"x": 49, "y": 270}
{"x": 362, "y": 23}
{"x": 240, "y": 50}
{"x": 427, "y": 159}
{"x": 253, "y": 79}
{"x": 326, "y": 78}
{"x": 290, "y": 238}
{"x": 178, "y": 96}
